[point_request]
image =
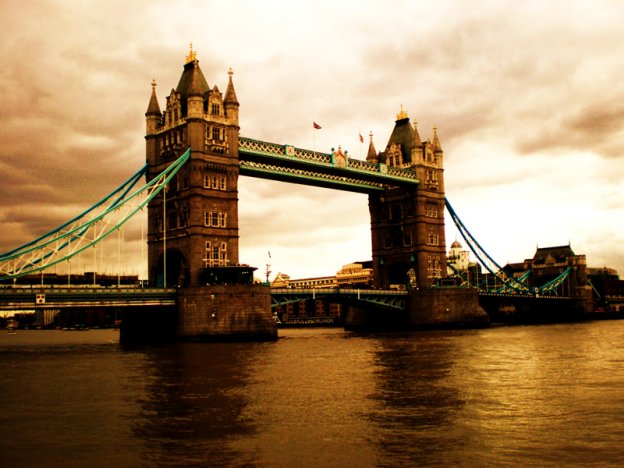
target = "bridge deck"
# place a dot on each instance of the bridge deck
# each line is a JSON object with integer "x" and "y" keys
{"x": 69, "y": 297}
{"x": 381, "y": 297}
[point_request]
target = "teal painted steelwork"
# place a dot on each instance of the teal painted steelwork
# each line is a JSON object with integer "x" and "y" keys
{"x": 291, "y": 164}
{"x": 482, "y": 256}
{"x": 511, "y": 285}
{"x": 386, "y": 298}
{"x": 522, "y": 280}
{"x": 54, "y": 247}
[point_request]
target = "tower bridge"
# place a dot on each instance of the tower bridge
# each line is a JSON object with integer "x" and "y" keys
{"x": 194, "y": 157}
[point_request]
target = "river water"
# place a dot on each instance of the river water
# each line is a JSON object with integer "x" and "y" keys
{"x": 510, "y": 396}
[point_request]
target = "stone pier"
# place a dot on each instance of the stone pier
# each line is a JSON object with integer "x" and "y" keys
{"x": 226, "y": 312}
{"x": 446, "y": 307}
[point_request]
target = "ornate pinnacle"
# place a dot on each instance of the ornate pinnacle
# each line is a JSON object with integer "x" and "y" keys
{"x": 192, "y": 55}
{"x": 402, "y": 114}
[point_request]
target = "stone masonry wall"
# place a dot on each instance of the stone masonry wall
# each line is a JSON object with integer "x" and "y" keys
{"x": 226, "y": 312}
{"x": 446, "y": 307}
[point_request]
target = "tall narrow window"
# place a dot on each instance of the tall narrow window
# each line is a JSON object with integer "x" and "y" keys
{"x": 216, "y": 133}
{"x": 223, "y": 257}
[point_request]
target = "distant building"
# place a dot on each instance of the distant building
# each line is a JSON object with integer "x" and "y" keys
{"x": 352, "y": 275}
{"x": 358, "y": 274}
{"x": 550, "y": 262}
{"x": 281, "y": 281}
{"x": 284, "y": 281}
{"x": 608, "y": 288}
{"x": 603, "y": 272}
{"x": 45, "y": 317}
{"x": 458, "y": 259}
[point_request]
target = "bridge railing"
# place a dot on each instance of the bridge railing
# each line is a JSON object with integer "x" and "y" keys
{"x": 337, "y": 291}
{"x": 65, "y": 296}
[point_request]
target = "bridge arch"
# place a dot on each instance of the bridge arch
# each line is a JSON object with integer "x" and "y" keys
{"x": 177, "y": 270}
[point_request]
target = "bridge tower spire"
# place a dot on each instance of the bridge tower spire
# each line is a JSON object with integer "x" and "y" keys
{"x": 407, "y": 224}
{"x": 199, "y": 230}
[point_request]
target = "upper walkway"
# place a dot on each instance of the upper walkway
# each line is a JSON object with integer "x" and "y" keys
{"x": 290, "y": 164}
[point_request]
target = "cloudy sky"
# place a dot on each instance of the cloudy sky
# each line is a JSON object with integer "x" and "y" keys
{"x": 528, "y": 98}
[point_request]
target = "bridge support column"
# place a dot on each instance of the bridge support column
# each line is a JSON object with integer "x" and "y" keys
{"x": 446, "y": 308}
{"x": 226, "y": 312}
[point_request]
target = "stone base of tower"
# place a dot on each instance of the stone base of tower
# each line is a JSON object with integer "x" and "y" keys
{"x": 446, "y": 308}
{"x": 226, "y": 312}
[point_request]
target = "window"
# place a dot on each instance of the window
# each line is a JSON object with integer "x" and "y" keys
{"x": 215, "y": 219}
{"x": 407, "y": 240}
{"x": 216, "y": 255}
{"x": 215, "y": 182}
{"x": 216, "y": 133}
{"x": 434, "y": 269}
{"x": 431, "y": 211}
{"x": 433, "y": 238}
{"x": 214, "y": 109}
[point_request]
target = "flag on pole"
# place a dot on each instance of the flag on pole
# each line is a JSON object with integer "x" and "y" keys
{"x": 316, "y": 126}
{"x": 361, "y": 138}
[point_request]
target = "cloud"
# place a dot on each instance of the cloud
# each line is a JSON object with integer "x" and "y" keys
{"x": 526, "y": 98}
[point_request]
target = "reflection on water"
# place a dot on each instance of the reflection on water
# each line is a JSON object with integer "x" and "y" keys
{"x": 194, "y": 401}
{"x": 538, "y": 395}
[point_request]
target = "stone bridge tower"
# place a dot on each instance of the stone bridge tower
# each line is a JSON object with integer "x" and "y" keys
{"x": 196, "y": 219}
{"x": 407, "y": 225}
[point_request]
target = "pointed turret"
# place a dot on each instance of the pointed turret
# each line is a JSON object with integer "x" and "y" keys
{"x": 192, "y": 81}
{"x": 230, "y": 94}
{"x": 195, "y": 94}
{"x": 416, "y": 141}
{"x": 231, "y": 101}
{"x": 372, "y": 152}
{"x": 195, "y": 87}
{"x": 153, "y": 115}
{"x": 153, "y": 108}
{"x": 400, "y": 141}
{"x": 437, "y": 148}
